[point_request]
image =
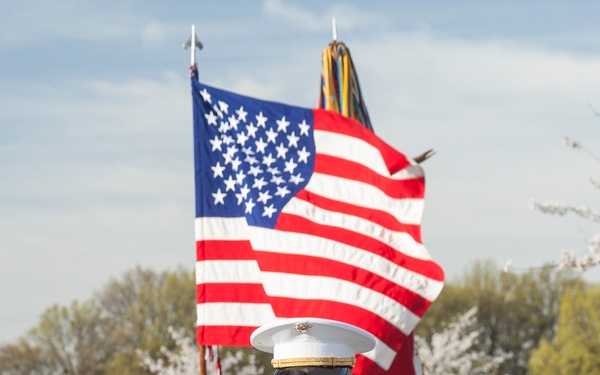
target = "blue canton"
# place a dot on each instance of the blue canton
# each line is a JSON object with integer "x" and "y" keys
{"x": 252, "y": 156}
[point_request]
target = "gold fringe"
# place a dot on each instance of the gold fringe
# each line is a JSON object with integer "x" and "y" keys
{"x": 314, "y": 361}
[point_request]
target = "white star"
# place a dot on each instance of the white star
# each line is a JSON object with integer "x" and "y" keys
{"x": 241, "y": 114}
{"x": 205, "y": 95}
{"x": 297, "y": 179}
{"x": 259, "y": 183}
{"x": 268, "y": 160}
{"x": 260, "y": 145}
{"x": 230, "y": 183}
{"x": 242, "y": 194}
{"x": 247, "y": 150}
{"x": 273, "y": 170}
{"x": 251, "y": 159}
{"x": 290, "y": 166}
{"x": 269, "y": 211}
{"x": 249, "y": 206}
{"x": 293, "y": 140}
{"x": 216, "y": 143}
{"x": 303, "y": 155}
{"x": 255, "y": 171}
{"x": 224, "y": 107}
{"x": 277, "y": 180}
{"x": 242, "y": 138}
{"x": 231, "y": 150}
{"x": 228, "y": 158}
{"x": 235, "y": 163}
{"x": 304, "y": 127}
{"x": 216, "y": 109}
{"x": 264, "y": 197}
{"x": 281, "y": 151}
{"x": 282, "y": 191}
{"x": 271, "y": 135}
{"x": 218, "y": 170}
{"x": 251, "y": 130}
{"x": 233, "y": 122}
{"x": 227, "y": 139}
{"x": 282, "y": 124}
{"x": 211, "y": 119}
{"x": 219, "y": 197}
{"x": 223, "y": 127}
{"x": 261, "y": 120}
{"x": 239, "y": 177}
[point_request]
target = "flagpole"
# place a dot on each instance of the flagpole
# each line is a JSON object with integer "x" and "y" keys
{"x": 193, "y": 43}
{"x": 202, "y": 351}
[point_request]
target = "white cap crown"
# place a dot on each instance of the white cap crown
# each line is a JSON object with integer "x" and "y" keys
{"x": 312, "y": 341}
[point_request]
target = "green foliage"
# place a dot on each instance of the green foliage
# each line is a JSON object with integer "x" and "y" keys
{"x": 515, "y": 311}
{"x": 142, "y": 305}
{"x": 70, "y": 339}
{"x": 23, "y": 358}
{"x": 576, "y": 347}
{"x": 100, "y": 336}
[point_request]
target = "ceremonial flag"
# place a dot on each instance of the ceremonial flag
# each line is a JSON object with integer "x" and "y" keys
{"x": 340, "y": 90}
{"x": 306, "y": 213}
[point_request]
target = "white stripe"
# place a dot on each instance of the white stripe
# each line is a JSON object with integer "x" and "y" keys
{"x": 359, "y": 151}
{"x": 383, "y": 355}
{"x": 227, "y": 271}
{"x": 400, "y": 241}
{"x": 221, "y": 228}
{"x": 234, "y": 314}
{"x": 332, "y": 289}
{"x": 405, "y": 210}
{"x": 309, "y": 245}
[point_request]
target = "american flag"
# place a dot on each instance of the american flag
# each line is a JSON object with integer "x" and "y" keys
{"x": 306, "y": 213}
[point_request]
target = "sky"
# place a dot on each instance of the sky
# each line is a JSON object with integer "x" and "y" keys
{"x": 96, "y": 158}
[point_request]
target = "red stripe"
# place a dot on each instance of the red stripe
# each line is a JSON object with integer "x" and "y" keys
{"x": 411, "y": 188}
{"x": 315, "y": 266}
{"x": 352, "y": 314}
{"x": 224, "y": 250}
{"x": 298, "y": 224}
{"x": 334, "y": 122}
{"x": 231, "y": 292}
{"x": 224, "y": 335}
{"x": 383, "y": 218}
{"x": 402, "y": 364}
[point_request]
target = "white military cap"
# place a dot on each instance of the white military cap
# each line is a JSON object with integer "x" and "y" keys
{"x": 299, "y": 342}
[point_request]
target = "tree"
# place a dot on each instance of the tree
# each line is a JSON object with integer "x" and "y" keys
{"x": 141, "y": 306}
{"x": 453, "y": 350}
{"x": 24, "y": 358}
{"x": 100, "y": 336}
{"x": 590, "y": 257}
{"x": 515, "y": 311}
{"x": 184, "y": 360}
{"x": 576, "y": 347}
{"x": 70, "y": 339}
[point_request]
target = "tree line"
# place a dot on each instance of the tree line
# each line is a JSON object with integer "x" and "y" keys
{"x": 540, "y": 322}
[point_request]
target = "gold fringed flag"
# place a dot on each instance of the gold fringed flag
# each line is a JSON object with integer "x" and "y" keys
{"x": 340, "y": 90}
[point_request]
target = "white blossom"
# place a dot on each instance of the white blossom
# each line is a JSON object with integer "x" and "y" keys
{"x": 561, "y": 208}
{"x": 572, "y": 143}
{"x": 185, "y": 360}
{"x": 452, "y": 351}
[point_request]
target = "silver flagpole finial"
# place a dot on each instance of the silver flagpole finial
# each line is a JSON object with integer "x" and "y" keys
{"x": 334, "y": 29}
{"x": 192, "y": 44}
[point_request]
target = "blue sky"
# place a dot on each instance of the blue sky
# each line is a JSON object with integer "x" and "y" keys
{"x": 96, "y": 167}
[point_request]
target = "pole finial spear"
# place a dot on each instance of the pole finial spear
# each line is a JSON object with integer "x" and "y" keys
{"x": 192, "y": 44}
{"x": 334, "y": 29}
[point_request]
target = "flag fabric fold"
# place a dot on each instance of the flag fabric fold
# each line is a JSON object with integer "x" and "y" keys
{"x": 306, "y": 213}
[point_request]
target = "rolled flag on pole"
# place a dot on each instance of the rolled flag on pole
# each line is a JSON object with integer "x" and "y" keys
{"x": 340, "y": 89}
